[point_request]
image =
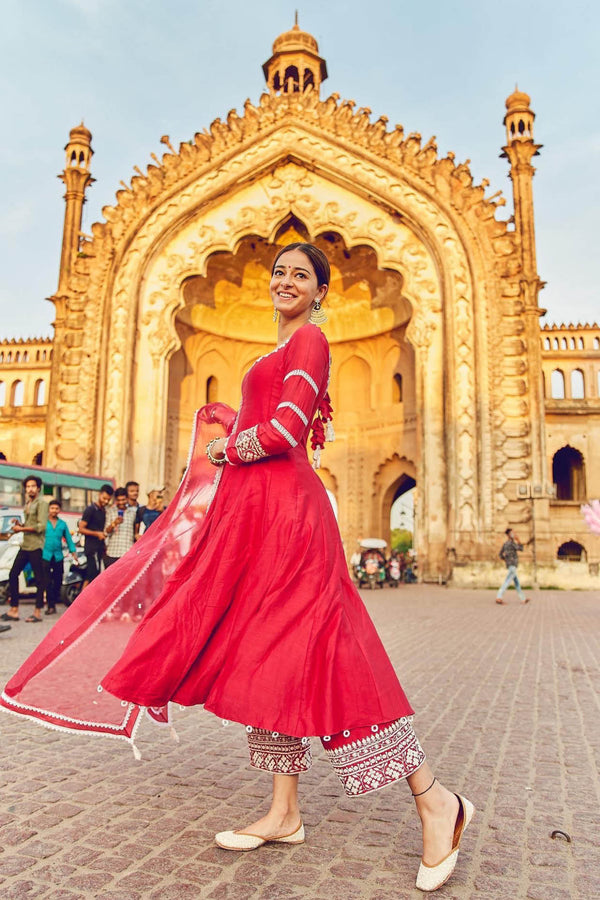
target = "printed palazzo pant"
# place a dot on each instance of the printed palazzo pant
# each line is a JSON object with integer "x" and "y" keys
{"x": 364, "y": 759}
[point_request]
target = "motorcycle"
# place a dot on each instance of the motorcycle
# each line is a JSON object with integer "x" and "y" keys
{"x": 74, "y": 575}
{"x": 394, "y": 573}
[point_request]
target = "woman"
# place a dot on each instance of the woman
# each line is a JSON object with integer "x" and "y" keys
{"x": 258, "y": 618}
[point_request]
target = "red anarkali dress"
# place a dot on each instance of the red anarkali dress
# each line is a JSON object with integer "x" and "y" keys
{"x": 246, "y": 602}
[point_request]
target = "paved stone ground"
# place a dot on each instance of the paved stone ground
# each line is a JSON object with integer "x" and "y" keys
{"x": 507, "y": 701}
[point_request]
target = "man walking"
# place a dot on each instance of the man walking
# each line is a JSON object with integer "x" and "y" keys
{"x": 52, "y": 554}
{"x": 92, "y": 526}
{"x": 34, "y": 531}
{"x": 508, "y": 553}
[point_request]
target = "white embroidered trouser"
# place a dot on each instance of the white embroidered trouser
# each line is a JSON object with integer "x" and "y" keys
{"x": 364, "y": 759}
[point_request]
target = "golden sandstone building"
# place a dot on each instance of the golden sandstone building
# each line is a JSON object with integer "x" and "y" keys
{"x": 441, "y": 378}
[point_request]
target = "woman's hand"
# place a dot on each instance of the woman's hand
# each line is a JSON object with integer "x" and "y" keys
{"x": 218, "y": 448}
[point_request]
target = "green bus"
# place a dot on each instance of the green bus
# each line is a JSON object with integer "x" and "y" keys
{"x": 74, "y": 490}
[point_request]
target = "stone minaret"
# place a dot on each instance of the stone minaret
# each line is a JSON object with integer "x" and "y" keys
{"x": 76, "y": 177}
{"x": 295, "y": 64}
{"x": 519, "y": 150}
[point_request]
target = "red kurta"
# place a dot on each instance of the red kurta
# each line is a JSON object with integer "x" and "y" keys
{"x": 261, "y": 623}
{"x": 248, "y": 607}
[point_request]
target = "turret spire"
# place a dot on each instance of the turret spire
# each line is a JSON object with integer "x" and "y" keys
{"x": 77, "y": 177}
{"x": 295, "y": 65}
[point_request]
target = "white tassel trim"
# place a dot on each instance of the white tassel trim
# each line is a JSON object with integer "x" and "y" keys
{"x": 317, "y": 458}
{"x": 329, "y": 432}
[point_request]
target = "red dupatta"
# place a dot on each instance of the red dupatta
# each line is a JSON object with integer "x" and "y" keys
{"x": 59, "y": 684}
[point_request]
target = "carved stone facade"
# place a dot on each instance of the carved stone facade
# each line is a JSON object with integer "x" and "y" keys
{"x": 24, "y": 383}
{"x": 433, "y": 311}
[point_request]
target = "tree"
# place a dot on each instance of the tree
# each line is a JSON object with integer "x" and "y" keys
{"x": 402, "y": 539}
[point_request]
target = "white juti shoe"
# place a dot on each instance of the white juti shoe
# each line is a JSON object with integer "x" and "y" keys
{"x": 235, "y": 840}
{"x": 430, "y": 878}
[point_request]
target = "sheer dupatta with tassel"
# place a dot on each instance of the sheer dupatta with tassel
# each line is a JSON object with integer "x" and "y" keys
{"x": 59, "y": 684}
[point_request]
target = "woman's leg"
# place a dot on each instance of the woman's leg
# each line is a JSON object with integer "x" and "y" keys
{"x": 283, "y": 817}
{"x": 285, "y": 757}
{"x": 438, "y": 809}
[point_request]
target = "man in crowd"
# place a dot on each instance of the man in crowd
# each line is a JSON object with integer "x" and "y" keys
{"x": 508, "y": 553}
{"x": 92, "y": 526}
{"x": 33, "y": 531}
{"x": 57, "y": 531}
{"x": 133, "y": 492}
{"x": 120, "y": 520}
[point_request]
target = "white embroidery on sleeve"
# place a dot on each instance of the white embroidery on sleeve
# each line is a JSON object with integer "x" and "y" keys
{"x": 305, "y": 375}
{"x": 296, "y": 409}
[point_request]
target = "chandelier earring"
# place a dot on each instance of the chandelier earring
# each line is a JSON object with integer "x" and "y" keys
{"x": 275, "y": 314}
{"x": 317, "y": 316}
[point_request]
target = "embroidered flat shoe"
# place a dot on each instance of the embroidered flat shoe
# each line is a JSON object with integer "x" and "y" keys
{"x": 234, "y": 840}
{"x": 430, "y": 878}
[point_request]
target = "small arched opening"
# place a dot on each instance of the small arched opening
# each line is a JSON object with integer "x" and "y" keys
{"x": 557, "y": 385}
{"x": 17, "y": 393}
{"x": 2, "y": 393}
{"x": 291, "y": 80}
{"x": 39, "y": 394}
{"x": 577, "y": 385}
{"x": 572, "y": 551}
{"x": 397, "y": 388}
{"x": 212, "y": 389}
{"x": 568, "y": 474}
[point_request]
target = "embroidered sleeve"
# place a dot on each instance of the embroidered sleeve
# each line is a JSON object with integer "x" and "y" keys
{"x": 248, "y": 446}
{"x": 304, "y": 382}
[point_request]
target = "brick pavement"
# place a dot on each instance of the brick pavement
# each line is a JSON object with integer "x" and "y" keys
{"x": 507, "y": 701}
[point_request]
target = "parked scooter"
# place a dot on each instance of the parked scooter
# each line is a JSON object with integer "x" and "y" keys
{"x": 75, "y": 568}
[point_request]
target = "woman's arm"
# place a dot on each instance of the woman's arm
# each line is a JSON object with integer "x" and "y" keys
{"x": 305, "y": 380}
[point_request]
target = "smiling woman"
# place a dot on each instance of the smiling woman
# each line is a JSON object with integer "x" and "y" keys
{"x": 254, "y": 615}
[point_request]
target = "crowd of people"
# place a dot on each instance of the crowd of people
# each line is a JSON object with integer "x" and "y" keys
{"x": 109, "y": 526}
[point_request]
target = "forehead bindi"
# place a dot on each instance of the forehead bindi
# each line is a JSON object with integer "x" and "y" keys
{"x": 295, "y": 261}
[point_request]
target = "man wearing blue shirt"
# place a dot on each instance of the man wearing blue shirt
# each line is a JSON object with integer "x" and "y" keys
{"x": 52, "y": 555}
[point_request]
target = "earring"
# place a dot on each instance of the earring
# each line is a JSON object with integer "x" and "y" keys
{"x": 317, "y": 316}
{"x": 275, "y": 315}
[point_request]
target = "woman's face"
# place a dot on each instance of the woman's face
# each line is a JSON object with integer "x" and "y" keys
{"x": 294, "y": 288}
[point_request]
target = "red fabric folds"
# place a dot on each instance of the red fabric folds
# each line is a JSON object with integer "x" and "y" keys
{"x": 60, "y": 683}
{"x": 247, "y": 607}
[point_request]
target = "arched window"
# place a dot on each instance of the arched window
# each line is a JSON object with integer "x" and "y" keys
{"x": 572, "y": 342}
{"x": 596, "y": 343}
{"x": 563, "y": 344}
{"x": 9, "y": 356}
{"x": 18, "y": 356}
{"x": 577, "y": 385}
{"x": 547, "y": 344}
{"x": 39, "y": 393}
{"x": 2, "y": 356}
{"x": 571, "y": 551}
{"x": 43, "y": 356}
{"x": 17, "y": 393}
{"x": 309, "y": 78}
{"x": 397, "y": 388}
{"x": 37, "y": 356}
{"x": 557, "y": 381}
{"x": 38, "y": 459}
{"x": 568, "y": 474}
{"x": 291, "y": 80}
{"x": 212, "y": 389}
{"x": 25, "y": 356}
{"x": 2, "y": 393}
{"x": 581, "y": 344}
{"x": 598, "y": 374}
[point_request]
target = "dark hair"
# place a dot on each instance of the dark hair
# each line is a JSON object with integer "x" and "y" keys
{"x": 129, "y": 484}
{"x": 319, "y": 261}
{"x": 54, "y": 502}
{"x": 35, "y": 478}
{"x": 508, "y": 531}
{"x": 120, "y": 492}
{"x": 107, "y": 489}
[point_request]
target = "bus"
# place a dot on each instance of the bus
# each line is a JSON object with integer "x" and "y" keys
{"x": 73, "y": 490}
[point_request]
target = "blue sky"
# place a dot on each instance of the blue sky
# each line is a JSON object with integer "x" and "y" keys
{"x": 134, "y": 70}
